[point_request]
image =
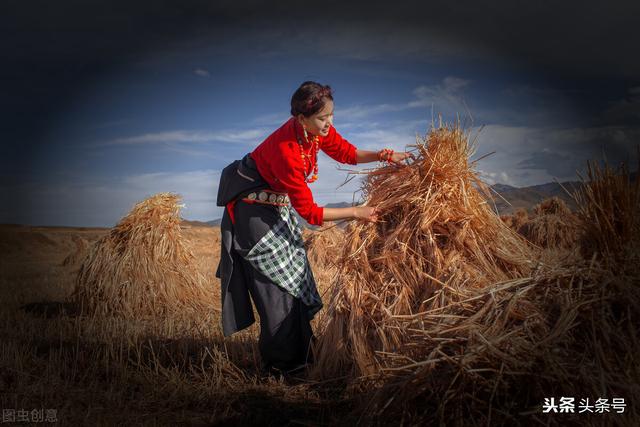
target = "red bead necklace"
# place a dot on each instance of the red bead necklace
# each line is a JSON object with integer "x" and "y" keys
{"x": 306, "y": 157}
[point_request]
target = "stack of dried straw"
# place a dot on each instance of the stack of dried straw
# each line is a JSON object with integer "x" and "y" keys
{"x": 143, "y": 266}
{"x": 553, "y": 225}
{"x": 515, "y": 221}
{"x": 442, "y": 312}
{"x": 437, "y": 240}
{"x": 608, "y": 209}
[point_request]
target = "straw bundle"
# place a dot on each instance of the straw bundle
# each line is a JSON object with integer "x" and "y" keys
{"x": 552, "y": 206}
{"x": 438, "y": 314}
{"x": 554, "y": 226}
{"x": 517, "y": 219}
{"x": 143, "y": 266}
{"x": 520, "y": 216}
{"x": 81, "y": 246}
{"x": 324, "y": 246}
{"x": 437, "y": 240}
{"x": 609, "y": 205}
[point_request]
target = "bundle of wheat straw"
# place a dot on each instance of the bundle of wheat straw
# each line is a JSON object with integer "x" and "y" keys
{"x": 608, "y": 206}
{"x": 437, "y": 240}
{"x": 143, "y": 266}
{"x": 438, "y": 315}
{"x": 552, "y": 206}
{"x": 520, "y": 216}
{"x": 553, "y": 226}
{"x": 324, "y": 247}
{"x": 517, "y": 219}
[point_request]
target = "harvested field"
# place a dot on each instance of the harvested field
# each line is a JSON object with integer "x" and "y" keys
{"x": 441, "y": 313}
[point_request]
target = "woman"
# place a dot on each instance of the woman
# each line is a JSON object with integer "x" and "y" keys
{"x": 262, "y": 252}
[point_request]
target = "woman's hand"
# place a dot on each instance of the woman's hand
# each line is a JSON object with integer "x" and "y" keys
{"x": 366, "y": 213}
{"x": 399, "y": 156}
{"x": 363, "y": 156}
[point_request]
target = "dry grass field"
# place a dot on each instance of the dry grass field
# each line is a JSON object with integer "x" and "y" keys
{"x": 174, "y": 370}
{"x": 442, "y": 313}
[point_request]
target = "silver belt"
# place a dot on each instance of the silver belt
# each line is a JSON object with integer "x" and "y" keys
{"x": 268, "y": 197}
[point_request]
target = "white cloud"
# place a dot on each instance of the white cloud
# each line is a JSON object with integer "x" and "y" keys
{"x": 495, "y": 177}
{"x": 248, "y": 136}
{"x": 272, "y": 119}
{"x": 356, "y": 112}
{"x": 447, "y": 95}
{"x": 202, "y": 72}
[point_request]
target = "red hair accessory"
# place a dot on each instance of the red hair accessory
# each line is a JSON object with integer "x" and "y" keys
{"x": 321, "y": 94}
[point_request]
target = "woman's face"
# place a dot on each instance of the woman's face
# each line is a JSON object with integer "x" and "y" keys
{"x": 320, "y": 122}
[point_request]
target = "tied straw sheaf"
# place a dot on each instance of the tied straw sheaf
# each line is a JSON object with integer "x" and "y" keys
{"x": 143, "y": 266}
{"x": 441, "y": 308}
{"x": 552, "y": 226}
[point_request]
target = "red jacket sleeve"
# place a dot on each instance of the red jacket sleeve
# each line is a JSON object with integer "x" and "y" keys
{"x": 288, "y": 171}
{"x": 338, "y": 148}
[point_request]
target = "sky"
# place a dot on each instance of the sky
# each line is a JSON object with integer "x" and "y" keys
{"x": 105, "y": 103}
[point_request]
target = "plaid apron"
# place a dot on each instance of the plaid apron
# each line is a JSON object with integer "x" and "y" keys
{"x": 281, "y": 257}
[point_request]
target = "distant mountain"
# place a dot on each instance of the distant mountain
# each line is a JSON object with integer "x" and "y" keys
{"x": 189, "y": 223}
{"x": 508, "y": 198}
{"x": 528, "y": 197}
{"x": 503, "y": 187}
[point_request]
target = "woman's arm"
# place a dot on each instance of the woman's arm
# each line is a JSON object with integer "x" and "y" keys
{"x": 364, "y": 156}
{"x": 367, "y": 213}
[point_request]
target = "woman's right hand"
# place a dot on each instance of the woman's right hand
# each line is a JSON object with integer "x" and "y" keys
{"x": 366, "y": 213}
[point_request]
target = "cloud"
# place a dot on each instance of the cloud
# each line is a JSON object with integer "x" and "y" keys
{"x": 271, "y": 119}
{"x": 361, "y": 42}
{"x": 248, "y": 136}
{"x": 447, "y": 95}
{"x": 553, "y": 162}
{"x": 202, "y": 72}
{"x": 357, "y": 112}
{"x": 491, "y": 178}
{"x": 532, "y": 155}
{"x": 626, "y": 110}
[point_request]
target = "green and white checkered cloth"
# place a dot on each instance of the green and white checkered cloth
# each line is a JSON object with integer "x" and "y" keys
{"x": 280, "y": 255}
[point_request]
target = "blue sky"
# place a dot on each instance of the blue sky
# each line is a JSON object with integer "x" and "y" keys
{"x": 170, "y": 117}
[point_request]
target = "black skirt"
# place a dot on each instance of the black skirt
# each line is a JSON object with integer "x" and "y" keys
{"x": 285, "y": 331}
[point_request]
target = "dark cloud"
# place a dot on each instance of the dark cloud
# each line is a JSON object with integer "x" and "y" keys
{"x": 562, "y": 152}
{"x": 51, "y": 50}
{"x": 625, "y": 110}
{"x": 67, "y": 39}
{"x": 555, "y": 164}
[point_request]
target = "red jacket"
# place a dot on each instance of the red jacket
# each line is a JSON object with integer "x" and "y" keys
{"x": 280, "y": 164}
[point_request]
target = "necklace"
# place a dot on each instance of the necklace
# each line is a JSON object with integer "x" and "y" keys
{"x": 306, "y": 157}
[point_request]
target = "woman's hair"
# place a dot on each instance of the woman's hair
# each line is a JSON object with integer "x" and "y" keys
{"x": 309, "y": 98}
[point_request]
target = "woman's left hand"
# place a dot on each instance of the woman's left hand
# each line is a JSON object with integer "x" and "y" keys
{"x": 399, "y": 156}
